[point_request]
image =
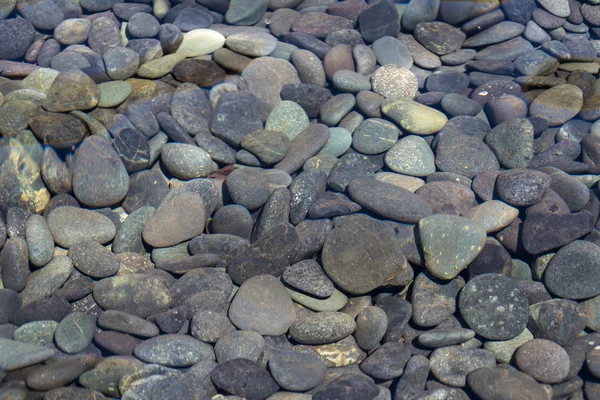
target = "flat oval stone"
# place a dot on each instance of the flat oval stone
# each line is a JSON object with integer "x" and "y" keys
{"x": 308, "y": 276}
{"x": 394, "y": 81}
{"x": 490, "y": 383}
{"x": 93, "y": 259}
{"x": 263, "y": 305}
{"x": 543, "y": 360}
{"x": 411, "y": 156}
{"x": 489, "y": 299}
{"x": 445, "y": 337}
{"x": 464, "y": 155}
{"x": 571, "y": 273}
{"x": 177, "y": 220}
{"x": 242, "y": 377}
{"x": 522, "y": 187}
{"x": 15, "y": 355}
{"x": 252, "y": 44}
{"x": 113, "y": 93}
{"x": 16, "y": 36}
{"x": 40, "y": 333}
{"x": 186, "y": 161}
{"x": 348, "y": 250}
{"x": 379, "y": 20}
{"x": 72, "y": 90}
{"x": 47, "y": 280}
{"x": 276, "y": 71}
{"x": 450, "y": 243}
{"x": 288, "y": 117}
{"x": 388, "y": 200}
{"x": 558, "y": 104}
{"x": 39, "y": 240}
{"x": 75, "y": 332}
{"x": 321, "y": 328}
{"x": 451, "y": 365}
{"x": 297, "y": 371}
{"x": 269, "y": 146}
{"x": 173, "y": 351}
{"x": 493, "y": 215}
{"x": 439, "y": 37}
{"x": 136, "y": 294}
{"x": 415, "y": 117}
{"x": 387, "y": 362}
{"x": 70, "y": 225}
{"x": 199, "y": 42}
{"x": 99, "y": 177}
{"x": 160, "y": 67}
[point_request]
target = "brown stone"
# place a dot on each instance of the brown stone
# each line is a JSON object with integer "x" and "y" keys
{"x": 201, "y": 72}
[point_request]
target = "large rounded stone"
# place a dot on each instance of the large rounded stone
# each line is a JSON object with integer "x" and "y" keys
{"x": 450, "y": 243}
{"x": 16, "y": 35}
{"x": 262, "y": 304}
{"x": 361, "y": 257}
{"x": 72, "y": 90}
{"x": 558, "y": 104}
{"x": 136, "y": 294}
{"x": 70, "y": 225}
{"x": 99, "y": 177}
{"x": 179, "y": 219}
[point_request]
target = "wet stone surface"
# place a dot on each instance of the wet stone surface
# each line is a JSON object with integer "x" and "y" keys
{"x": 289, "y": 199}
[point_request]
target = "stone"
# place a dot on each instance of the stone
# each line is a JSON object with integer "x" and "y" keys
{"x": 99, "y": 176}
{"x": 321, "y": 328}
{"x": 481, "y": 306}
{"x": 411, "y": 156}
{"x": 570, "y": 274}
{"x": 353, "y": 386}
{"x": 400, "y": 205}
{"x": 17, "y": 355}
{"x": 439, "y": 37}
{"x": 142, "y": 25}
{"x": 278, "y": 72}
{"x": 186, "y": 161}
{"x": 522, "y": 187}
{"x": 306, "y": 145}
{"x": 262, "y": 304}
{"x": 72, "y": 31}
{"x": 112, "y": 94}
{"x": 378, "y": 20}
{"x": 451, "y": 365}
{"x": 374, "y": 136}
{"x": 70, "y": 225}
{"x": 505, "y": 349}
{"x": 296, "y": 371}
{"x": 289, "y": 118}
{"x": 490, "y": 383}
{"x": 159, "y": 67}
{"x": 204, "y": 73}
{"x": 17, "y": 35}
{"x": 75, "y": 332}
{"x": 415, "y": 117}
{"x": 394, "y": 81}
{"x": 464, "y": 155}
{"x": 244, "y": 378}
{"x": 72, "y": 90}
{"x": 543, "y": 360}
{"x": 559, "y": 8}
{"x": 177, "y": 220}
{"x": 173, "y": 351}
{"x": 447, "y": 197}
{"x": 512, "y": 142}
{"x": 40, "y": 244}
{"x": 47, "y": 280}
{"x": 351, "y": 275}
{"x": 60, "y": 131}
{"x": 558, "y": 104}
{"x": 493, "y": 215}
{"x": 121, "y": 63}
{"x": 442, "y": 337}
{"x": 371, "y": 324}
{"x": 391, "y": 51}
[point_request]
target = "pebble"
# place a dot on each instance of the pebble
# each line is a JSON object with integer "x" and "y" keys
{"x": 137, "y": 294}
{"x": 411, "y": 156}
{"x": 451, "y": 365}
{"x": 443, "y": 258}
{"x": 393, "y": 82}
{"x": 241, "y": 377}
{"x": 17, "y": 35}
{"x": 240, "y": 344}
{"x": 544, "y": 360}
{"x": 558, "y": 104}
{"x": 415, "y": 117}
{"x": 505, "y": 349}
{"x": 92, "y": 259}
{"x": 17, "y": 355}
{"x": 40, "y": 244}
{"x": 47, "y": 280}
{"x": 72, "y": 90}
{"x": 296, "y": 371}
{"x": 489, "y": 299}
{"x": 173, "y": 351}
{"x": 70, "y": 225}
{"x": 262, "y": 304}
{"x": 490, "y": 383}
{"x": 177, "y": 220}
{"x": 321, "y": 328}
{"x": 39, "y": 333}
{"x": 199, "y": 42}
{"x": 570, "y": 274}
{"x": 439, "y": 37}
{"x": 75, "y": 332}
{"x": 289, "y": 118}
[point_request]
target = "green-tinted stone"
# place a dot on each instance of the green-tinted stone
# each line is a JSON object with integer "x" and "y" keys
{"x": 322, "y": 161}
{"x": 411, "y": 156}
{"x": 40, "y": 80}
{"x": 107, "y": 374}
{"x": 504, "y": 349}
{"x": 269, "y": 146}
{"x": 450, "y": 243}
{"x": 335, "y": 302}
{"x": 160, "y": 67}
{"x": 415, "y": 117}
{"x": 40, "y": 333}
{"x": 339, "y": 142}
{"x": 113, "y": 93}
{"x": 289, "y": 118}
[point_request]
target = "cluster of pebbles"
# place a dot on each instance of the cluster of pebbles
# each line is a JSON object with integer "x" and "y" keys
{"x": 296, "y": 199}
